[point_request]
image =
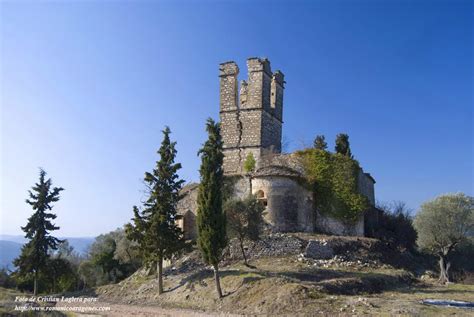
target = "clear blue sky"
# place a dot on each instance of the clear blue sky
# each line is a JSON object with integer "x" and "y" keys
{"x": 86, "y": 88}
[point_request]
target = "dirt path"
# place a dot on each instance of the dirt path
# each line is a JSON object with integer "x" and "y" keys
{"x": 120, "y": 310}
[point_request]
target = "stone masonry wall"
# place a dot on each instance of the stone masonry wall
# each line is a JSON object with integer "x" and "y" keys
{"x": 366, "y": 186}
{"x": 249, "y": 124}
{"x": 330, "y": 225}
{"x": 230, "y": 129}
{"x": 289, "y": 205}
{"x": 251, "y": 128}
{"x": 229, "y": 115}
{"x": 271, "y": 133}
{"x": 277, "y": 87}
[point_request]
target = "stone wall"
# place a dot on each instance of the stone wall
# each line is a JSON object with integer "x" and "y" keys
{"x": 330, "y": 225}
{"x": 241, "y": 185}
{"x": 229, "y": 115}
{"x": 259, "y": 82}
{"x": 366, "y": 186}
{"x": 291, "y": 160}
{"x": 289, "y": 205}
{"x": 250, "y": 118}
{"x": 235, "y": 158}
{"x": 276, "y": 97}
{"x": 251, "y": 123}
{"x": 230, "y": 129}
{"x": 271, "y": 133}
{"x": 228, "y": 73}
{"x": 187, "y": 209}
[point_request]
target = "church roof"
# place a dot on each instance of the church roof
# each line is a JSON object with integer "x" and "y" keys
{"x": 276, "y": 170}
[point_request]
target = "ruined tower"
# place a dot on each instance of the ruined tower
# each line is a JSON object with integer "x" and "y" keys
{"x": 251, "y": 115}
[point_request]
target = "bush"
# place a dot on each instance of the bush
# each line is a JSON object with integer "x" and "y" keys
{"x": 395, "y": 225}
{"x": 244, "y": 220}
{"x": 111, "y": 258}
{"x": 463, "y": 266}
{"x": 6, "y": 280}
{"x": 333, "y": 180}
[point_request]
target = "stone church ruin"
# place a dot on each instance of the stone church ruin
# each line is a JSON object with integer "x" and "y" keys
{"x": 251, "y": 116}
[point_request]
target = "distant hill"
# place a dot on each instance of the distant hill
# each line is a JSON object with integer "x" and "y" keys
{"x": 9, "y": 250}
{"x": 13, "y": 238}
{"x": 10, "y": 246}
{"x": 80, "y": 245}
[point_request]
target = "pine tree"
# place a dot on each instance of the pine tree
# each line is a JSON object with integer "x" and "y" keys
{"x": 342, "y": 145}
{"x": 34, "y": 254}
{"x": 320, "y": 143}
{"x": 211, "y": 219}
{"x": 154, "y": 227}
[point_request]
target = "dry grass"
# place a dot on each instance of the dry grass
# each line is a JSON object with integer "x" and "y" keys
{"x": 283, "y": 286}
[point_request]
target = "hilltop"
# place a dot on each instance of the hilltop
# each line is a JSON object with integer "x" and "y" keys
{"x": 293, "y": 273}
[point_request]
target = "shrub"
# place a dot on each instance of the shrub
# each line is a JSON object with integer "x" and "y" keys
{"x": 443, "y": 226}
{"x": 333, "y": 179}
{"x": 395, "y": 225}
{"x": 6, "y": 280}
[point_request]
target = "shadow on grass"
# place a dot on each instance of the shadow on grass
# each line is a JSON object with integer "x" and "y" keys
{"x": 326, "y": 280}
{"x": 434, "y": 291}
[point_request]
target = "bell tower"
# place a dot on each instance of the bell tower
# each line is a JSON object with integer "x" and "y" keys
{"x": 251, "y": 117}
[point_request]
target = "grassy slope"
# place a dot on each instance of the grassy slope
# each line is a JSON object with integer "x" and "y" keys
{"x": 286, "y": 286}
{"x": 289, "y": 285}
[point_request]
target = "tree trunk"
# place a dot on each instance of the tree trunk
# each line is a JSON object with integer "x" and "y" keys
{"x": 250, "y": 186}
{"x": 35, "y": 284}
{"x": 241, "y": 240}
{"x": 444, "y": 266}
{"x": 218, "y": 281}
{"x": 160, "y": 275}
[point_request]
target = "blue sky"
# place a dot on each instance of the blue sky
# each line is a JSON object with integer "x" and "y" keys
{"x": 86, "y": 88}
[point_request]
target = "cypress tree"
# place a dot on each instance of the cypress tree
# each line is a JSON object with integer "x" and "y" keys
{"x": 211, "y": 219}
{"x": 320, "y": 143}
{"x": 154, "y": 227}
{"x": 342, "y": 145}
{"x": 34, "y": 254}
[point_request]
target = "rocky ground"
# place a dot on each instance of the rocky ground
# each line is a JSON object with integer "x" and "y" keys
{"x": 291, "y": 274}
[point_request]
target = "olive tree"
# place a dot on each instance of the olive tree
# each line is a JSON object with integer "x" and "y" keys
{"x": 442, "y": 224}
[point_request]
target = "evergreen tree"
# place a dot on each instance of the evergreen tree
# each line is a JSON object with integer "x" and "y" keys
{"x": 320, "y": 143}
{"x": 342, "y": 145}
{"x": 34, "y": 254}
{"x": 154, "y": 227}
{"x": 211, "y": 219}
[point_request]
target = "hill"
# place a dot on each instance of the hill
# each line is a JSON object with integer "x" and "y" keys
{"x": 10, "y": 246}
{"x": 9, "y": 250}
{"x": 297, "y": 274}
{"x": 291, "y": 274}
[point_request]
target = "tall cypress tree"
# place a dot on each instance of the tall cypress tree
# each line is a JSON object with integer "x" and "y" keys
{"x": 211, "y": 219}
{"x": 34, "y": 254}
{"x": 154, "y": 227}
{"x": 342, "y": 145}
